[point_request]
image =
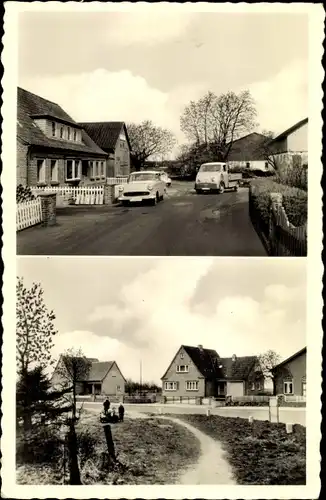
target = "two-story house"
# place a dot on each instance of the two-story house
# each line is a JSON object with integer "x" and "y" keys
{"x": 200, "y": 372}
{"x": 291, "y": 144}
{"x": 99, "y": 377}
{"x": 52, "y": 149}
{"x": 113, "y": 138}
{"x": 248, "y": 152}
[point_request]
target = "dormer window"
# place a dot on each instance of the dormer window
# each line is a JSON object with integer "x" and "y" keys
{"x": 53, "y": 128}
{"x": 75, "y": 134}
{"x": 68, "y": 134}
{"x": 61, "y": 132}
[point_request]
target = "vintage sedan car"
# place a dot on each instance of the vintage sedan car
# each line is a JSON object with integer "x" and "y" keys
{"x": 142, "y": 186}
{"x": 165, "y": 178}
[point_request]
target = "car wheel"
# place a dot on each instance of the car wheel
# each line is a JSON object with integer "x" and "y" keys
{"x": 198, "y": 191}
{"x": 236, "y": 187}
{"x": 221, "y": 188}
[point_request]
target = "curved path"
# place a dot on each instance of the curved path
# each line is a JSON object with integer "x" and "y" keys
{"x": 212, "y": 467}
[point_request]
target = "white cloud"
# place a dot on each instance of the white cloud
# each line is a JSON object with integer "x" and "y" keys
{"x": 278, "y": 293}
{"x": 154, "y": 310}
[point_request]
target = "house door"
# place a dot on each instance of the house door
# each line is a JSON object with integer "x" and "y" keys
{"x": 221, "y": 389}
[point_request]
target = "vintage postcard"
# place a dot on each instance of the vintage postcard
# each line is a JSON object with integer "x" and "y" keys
{"x": 162, "y": 250}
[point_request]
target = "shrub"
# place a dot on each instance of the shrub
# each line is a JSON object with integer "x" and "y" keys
{"x": 30, "y": 448}
{"x": 24, "y": 193}
{"x": 294, "y": 201}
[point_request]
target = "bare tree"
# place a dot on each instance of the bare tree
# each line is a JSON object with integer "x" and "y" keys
{"x": 34, "y": 327}
{"x": 268, "y": 361}
{"x": 217, "y": 121}
{"x": 266, "y": 149}
{"x": 148, "y": 140}
{"x": 72, "y": 369}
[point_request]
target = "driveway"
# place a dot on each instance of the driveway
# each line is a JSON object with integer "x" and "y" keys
{"x": 183, "y": 224}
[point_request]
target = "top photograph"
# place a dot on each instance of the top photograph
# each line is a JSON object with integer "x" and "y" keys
{"x": 162, "y": 133}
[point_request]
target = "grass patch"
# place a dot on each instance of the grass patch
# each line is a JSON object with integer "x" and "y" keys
{"x": 295, "y": 200}
{"x": 261, "y": 453}
{"x": 149, "y": 451}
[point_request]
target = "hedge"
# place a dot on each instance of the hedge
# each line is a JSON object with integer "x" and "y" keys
{"x": 295, "y": 200}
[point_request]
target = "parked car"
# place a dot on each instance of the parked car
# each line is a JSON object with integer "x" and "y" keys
{"x": 216, "y": 177}
{"x": 166, "y": 178}
{"x": 142, "y": 186}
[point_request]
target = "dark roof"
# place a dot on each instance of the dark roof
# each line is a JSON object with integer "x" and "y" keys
{"x": 99, "y": 370}
{"x": 290, "y": 130}
{"x": 295, "y": 355}
{"x": 105, "y": 134}
{"x": 238, "y": 369}
{"x": 248, "y": 148}
{"x": 206, "y": 360}
{"x": 31, "y": 105}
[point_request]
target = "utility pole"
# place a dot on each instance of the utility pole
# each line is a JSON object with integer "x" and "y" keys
{"x": 140, "y": 377}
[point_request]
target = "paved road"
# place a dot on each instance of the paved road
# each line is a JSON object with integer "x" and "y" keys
{"x": 286, "y": 414}
{"x": 183, "y": 224}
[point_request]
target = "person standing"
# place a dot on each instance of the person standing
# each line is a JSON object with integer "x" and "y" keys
{"x": 106, "y": 406}
{"x": 121, "y": 411}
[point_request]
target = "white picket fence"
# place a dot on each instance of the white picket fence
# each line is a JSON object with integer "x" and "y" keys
{"x": 83, "y": 195}
{"x": 293, "y": 398}
{"x": 28, "y": 214}
{"x": 116, "y": 180}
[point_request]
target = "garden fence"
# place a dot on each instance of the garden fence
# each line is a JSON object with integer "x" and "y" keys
{"x": 81, "y": 195}
{"x": 279, "y": 237}
{"x": 28, "y": 213}
{"x": 116, "y": 180}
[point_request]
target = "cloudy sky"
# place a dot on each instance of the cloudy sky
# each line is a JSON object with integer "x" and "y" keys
{"x": 133, "y": 66}
{"x": 144, "y": 309}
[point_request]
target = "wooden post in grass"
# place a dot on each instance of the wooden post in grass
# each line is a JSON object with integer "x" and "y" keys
{"x": 250, "y": 419}
{"x": 289, "y": 428}
{"x": 109, "y": 441}
{"x": 208, "y": 412}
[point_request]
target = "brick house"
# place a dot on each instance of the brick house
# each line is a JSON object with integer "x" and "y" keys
{"x": 248, "y": 152}
{"x": 103, "y": 377}
{"x": 290, "y": 375}
{"x": 52, "y": 149}
{"x": 199, "y": 372}
{"x": 113, "y": 138}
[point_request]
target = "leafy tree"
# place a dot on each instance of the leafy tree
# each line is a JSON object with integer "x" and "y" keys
{"x": 147, "y": 140}
{"x": 217, "y": 121}
{"x": 132, "y": 387}
{"x": 268, "y": 361}
{"x": 34, "y": 327}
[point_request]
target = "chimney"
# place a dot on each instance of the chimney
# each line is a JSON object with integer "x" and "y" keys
{"x": 200, "y": 347}
{"x": 234, "y": 358}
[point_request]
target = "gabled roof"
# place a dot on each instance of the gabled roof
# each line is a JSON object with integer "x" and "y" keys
{"x": 105, "y": 134}
{"x": 99, "y": 370}
{"x": 239, "y": 368}
{"x": 295, "y": 355}
{"x": 206, "y": 360}
{"x": 248, "y": 148}
{"x": 290, "y": 130}
{"x": 30, "y": 107}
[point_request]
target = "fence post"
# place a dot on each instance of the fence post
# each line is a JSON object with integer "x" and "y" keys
{"x": 48, "y": 208}
{"x": 275, "y": 206}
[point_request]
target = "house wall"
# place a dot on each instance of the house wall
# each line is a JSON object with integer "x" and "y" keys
{"x": 21, "y": 163}
{"x": 114, "y": 382}
{"x": 298, "y": 140}
{"x": 295, "y": 370}
{"x": 258, "y": 381}
{"x": 182, "y": 378}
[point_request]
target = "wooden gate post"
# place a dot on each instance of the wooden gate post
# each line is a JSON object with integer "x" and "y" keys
{"x": 109, "y": 441}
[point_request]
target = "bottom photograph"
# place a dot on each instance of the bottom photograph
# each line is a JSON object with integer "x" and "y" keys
{"x": 160, "y": 371}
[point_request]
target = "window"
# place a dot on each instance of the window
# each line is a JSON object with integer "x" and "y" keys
{"x": 73, "y": 169}
{"x": 288, "y": 387}
{"x": 182, "y": 355}
{"x": 40, "y": 170}
{"x": 182, "y": 368}
{"x": 75, "y": 135}
{"x": 253, "y": 386}
{"x": 68, "y": 133}
{"x": 97, "y": 173}
{"x": 118, "y": 388}
{"x": 103, "y": 168}
{"x": 248, "y": 164}
{"x": 61, "y": 132}
{"x": 192, "y": 385}
{"x": 53, "y": 127}
{"x": 304, "y": 389}
{"x": 171, "y": 386}
{"x": 54, "y": 170}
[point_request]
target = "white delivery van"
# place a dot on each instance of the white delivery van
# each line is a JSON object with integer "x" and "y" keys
{"x": 215, "y": 176}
